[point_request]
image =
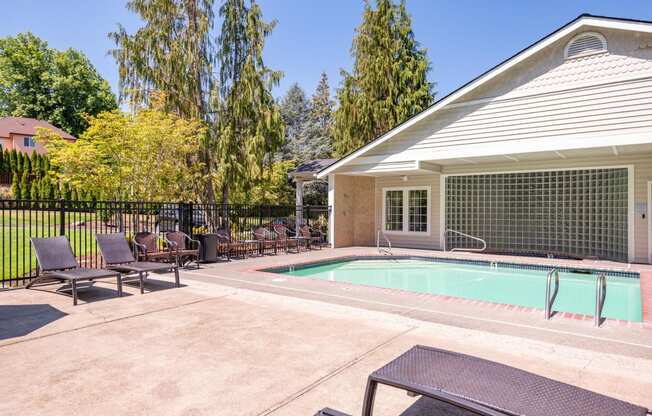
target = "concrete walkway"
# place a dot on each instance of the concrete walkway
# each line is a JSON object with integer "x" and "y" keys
{"x": 235, "y": 342}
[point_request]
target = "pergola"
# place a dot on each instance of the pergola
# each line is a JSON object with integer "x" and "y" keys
{"x": 306, "y": 172}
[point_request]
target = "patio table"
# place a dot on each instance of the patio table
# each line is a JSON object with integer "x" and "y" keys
{"x": 488, "y": 388}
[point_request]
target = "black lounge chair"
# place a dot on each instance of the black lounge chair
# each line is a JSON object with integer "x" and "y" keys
{"x": 57, "y": 262}
{"x": 118, "y": 256}
{"x": 482, "y": 387}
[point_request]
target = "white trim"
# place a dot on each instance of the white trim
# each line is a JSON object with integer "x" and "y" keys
{"x": 406, "y": 209}
{"x": 631, "y": 229}
{"x": 331, "y": 210}
{"x": 545, "y": 42}
{"x": 649, "y": 222}
{"x": 442, "y": 212}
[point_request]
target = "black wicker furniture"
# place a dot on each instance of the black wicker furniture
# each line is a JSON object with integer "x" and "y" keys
{"x": 56, "y": 261}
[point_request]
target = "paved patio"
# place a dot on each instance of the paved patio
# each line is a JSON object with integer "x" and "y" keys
{"x": 234, "y": 341}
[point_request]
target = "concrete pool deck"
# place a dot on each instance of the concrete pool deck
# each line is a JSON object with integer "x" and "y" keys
{"x": 234, "y": 341}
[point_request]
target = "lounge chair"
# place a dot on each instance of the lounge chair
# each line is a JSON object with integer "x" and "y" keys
{"x": 148, "y": 247}
{"x": 118, "y": 256}
{"x": 314, "y": 236}
{"x": 57, "y": 262}
{"x": 178, "y": 242}
{"x": 286, "y": 238}
{"x": 268, "y": 239}
{"x": 482, "y": 387}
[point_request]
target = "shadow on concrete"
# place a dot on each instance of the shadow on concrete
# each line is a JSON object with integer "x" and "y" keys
{"x": 426, "y": 406}
{"x": 20, "y": 320}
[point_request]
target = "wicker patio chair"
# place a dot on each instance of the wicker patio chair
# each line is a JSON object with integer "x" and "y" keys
{"x": 268, "y": 238}
{"x": 117, "y": 255}
{"x": 148, "y": 247}
{"x": 286, "y": 238}
{"x": 180, "y": 245}
{"x": 314, "y": 236}
{"x": 57, "y": 262}
{"x": 483, "y": 387}
{"x": 232, "y": 247}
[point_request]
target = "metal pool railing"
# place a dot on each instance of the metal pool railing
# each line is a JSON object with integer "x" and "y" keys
{"x": 551, "y": 295}
{"x": 80, "y": 221}
{"x": 600, "y": 296}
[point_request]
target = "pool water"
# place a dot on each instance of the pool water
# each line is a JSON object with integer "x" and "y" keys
{"x": 508, "y": 285}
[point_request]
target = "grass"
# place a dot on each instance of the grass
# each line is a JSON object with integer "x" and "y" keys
{"x": 17, "y": 227}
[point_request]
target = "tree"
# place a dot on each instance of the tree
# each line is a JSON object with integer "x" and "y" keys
{"x": 295, "y": 111}
{"x": 34, "y": 190}
{"x": 319, "y": 135}
{"x": 249, "y": 123}
{"x": 134, "y": 157}
{"x": 274, "y": 187}
{"x": 24, "y": 186}
{"x": 3, "y": 166}
{"x": 58, "y": 86}
{"x": 389, "y": 80}
{"x": 15, "y": 185}
{"x": 174, "y": 56}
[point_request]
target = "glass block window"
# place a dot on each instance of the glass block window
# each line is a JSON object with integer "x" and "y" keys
{"x": 394, "y": 211}
{"x": 418, "y": 210}
{"x": 576, "y": 213}
{"x": 406, "y": 209}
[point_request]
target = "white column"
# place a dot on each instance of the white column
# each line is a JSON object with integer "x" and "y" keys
{"x": 299, "y": 205}
{"x": 331, "y": 210}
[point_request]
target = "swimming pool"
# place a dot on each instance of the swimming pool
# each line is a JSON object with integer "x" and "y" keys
{"x": 521, "y": 285}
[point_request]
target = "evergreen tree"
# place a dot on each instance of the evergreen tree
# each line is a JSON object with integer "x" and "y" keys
{"x": 13, "y": 160}
{"x": 34, "y": 190}
{"x": 27, "y": 164}
{"x": 24, "y": 186}
{"x": 249, "y": 123}
{"x": 19, "y": 162}
{"x": 295, "y": 111}
{"x": 2, "y": 161}
{"x": 34, "y": 163}
{"x": 319, "y": 135}
{"x": 172, "y": 54}
{"x": 15, "y": 186}
{"x": 389, "y": 80}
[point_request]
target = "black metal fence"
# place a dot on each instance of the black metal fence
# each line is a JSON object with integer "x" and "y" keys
{"x": 80, "y": 221}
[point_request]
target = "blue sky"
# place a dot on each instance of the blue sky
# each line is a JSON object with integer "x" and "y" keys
{"x": 463, "y": 37}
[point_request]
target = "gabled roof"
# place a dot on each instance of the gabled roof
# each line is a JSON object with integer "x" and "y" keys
{"x": 581, "y": 21}
{"x": 27, "y": 126}
{"x": 309, "y": 170}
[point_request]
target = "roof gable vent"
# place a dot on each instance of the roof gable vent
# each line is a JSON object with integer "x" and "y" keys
{"x": 584, "y": 44}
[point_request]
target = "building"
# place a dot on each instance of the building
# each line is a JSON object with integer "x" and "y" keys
{"x": 18, "y": 133}
{"x": 547, "y": 153}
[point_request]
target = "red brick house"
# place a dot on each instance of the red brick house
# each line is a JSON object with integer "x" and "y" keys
{"x": 18, "y": 133}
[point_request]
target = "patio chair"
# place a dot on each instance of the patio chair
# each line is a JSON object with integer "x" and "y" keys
{"x": 179, "y": 243}
{"x": 286, "y": 238}
{"x": 268, "y": 238}
{"x": 57, "y": 262}
{"x": 313, "y": 235}
{"x": 148, "y": 247}
{"x": 230, "y": 247}
{"x": 483, "y": 387}
{"x": 118, "y": 256}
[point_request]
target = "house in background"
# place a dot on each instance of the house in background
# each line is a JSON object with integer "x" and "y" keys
{"x": 18, "y": 133}
{"x": 548, "y": 153}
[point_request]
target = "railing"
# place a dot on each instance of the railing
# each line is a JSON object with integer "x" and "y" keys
{"x": 80, "y": 221}
{"x": 550, "y": 296}
{"x": 386, "y": 250}
{"x": 600, "y": 295}
{"x": 484, "y": 243}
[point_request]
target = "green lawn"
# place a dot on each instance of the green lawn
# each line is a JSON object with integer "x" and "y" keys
{"x": 17, "y": 227}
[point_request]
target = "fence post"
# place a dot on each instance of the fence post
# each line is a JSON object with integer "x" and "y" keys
{"x": 62, "y": 216}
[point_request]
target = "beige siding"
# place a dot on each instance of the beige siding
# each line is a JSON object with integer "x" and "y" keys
{"x": 411, "y": 240}
{"x": 353, "y": 211}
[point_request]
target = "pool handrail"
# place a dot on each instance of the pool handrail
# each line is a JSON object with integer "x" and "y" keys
{"x": 550, "y": 298}
{"x": 385, "y": 250}
{"x": 600, "y": 295}
{"x": 484, "y": 243}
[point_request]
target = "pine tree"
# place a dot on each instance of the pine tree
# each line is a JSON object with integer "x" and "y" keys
{"x": 389, "y": 80}
{"x": 249, "y": 123}
{"x": 19, "y": 162}
{"x": 319, "y": 135}
{"x": 295, "y": 111}
{"x": 34, "y": 163}
{"x": 15, "y": 186}
{"x": 13, "y": 162}
{"x": 27, "y": 164}
{"x": 24, "y": 186}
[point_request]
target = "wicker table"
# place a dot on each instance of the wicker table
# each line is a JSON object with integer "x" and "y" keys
{"x": 488, "y": 388}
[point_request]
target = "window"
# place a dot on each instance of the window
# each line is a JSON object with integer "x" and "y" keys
{"x": 29, "y": 141}
{"x": 406, "y": 210}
